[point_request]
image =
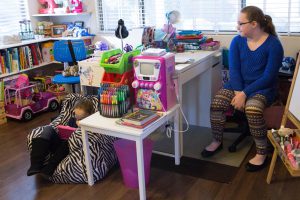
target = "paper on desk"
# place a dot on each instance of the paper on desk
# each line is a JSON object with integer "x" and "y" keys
{"x": 183, "y": 60}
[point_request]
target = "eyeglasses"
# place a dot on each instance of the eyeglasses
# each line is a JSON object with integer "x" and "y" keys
{"x": 242, "y": 23}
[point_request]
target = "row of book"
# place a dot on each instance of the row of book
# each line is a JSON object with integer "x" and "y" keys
{"x": 20, "y": 58}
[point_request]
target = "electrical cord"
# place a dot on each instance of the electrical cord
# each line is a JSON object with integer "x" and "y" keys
{"x": 169, "y": 128}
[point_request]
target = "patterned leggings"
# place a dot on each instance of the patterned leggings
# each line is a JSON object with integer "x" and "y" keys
{"x": 254, "y": 112}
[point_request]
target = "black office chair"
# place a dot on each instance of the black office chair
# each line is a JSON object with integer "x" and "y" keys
{"x": 242, "y": 128}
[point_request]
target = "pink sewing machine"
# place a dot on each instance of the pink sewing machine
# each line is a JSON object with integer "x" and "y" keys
{"x": 76, "y": 6}
{"x": 154, "y": 86}
{"x": 49, "y": 4}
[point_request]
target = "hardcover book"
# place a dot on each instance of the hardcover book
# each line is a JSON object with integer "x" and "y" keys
{"x": 139, "y": 117}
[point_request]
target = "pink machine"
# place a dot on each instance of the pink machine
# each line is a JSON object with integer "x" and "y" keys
{"x": 49, "y": 4}
{"x": 154, "y": 86}
{"x": 76, "y": 6}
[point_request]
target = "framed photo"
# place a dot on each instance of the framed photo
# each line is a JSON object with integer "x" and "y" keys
{"x": 79, "y": 24}
{"x": 57, "y": 30}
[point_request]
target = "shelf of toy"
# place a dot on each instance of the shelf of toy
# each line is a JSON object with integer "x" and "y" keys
{"x": 294, "y": 171}
{"x": 62, "y": 14}
{"x": 24, "y": 70}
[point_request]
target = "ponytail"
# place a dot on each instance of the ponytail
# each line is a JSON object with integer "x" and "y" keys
{"x": 268, "y": 26}
{"x": 265, "y": 21}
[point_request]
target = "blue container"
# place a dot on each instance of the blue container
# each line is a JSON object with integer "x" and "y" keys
{"x": 62, "y": 53}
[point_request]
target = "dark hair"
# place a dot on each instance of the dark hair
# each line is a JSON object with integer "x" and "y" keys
{"x": 265, "y": 21}
{"x": 85, "y": 105}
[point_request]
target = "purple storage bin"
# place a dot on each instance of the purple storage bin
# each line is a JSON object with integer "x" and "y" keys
{"x": 126, "y": 152}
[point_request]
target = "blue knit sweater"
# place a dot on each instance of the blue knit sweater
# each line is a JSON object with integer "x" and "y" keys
{"x": 254, "y": 72}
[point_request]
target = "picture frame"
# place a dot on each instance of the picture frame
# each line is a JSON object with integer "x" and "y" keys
{"x": 57, "y": 30}
{"x": 79, "y": 24}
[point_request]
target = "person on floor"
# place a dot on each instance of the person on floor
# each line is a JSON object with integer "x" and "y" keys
{"x": 49, "y": 142}
{"x": 255, "y": 56}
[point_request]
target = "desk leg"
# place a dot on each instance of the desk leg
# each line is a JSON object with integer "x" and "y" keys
{"x": 177, "y": 144}
{"x": 180, "y": 116}
{"x": 272, "y": 166}
{"x": 140, "y": 165}
{"x": 86, "y": 150}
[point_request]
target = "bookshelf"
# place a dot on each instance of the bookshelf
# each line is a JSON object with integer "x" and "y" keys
{"x": 29, "y": 42}
{"x": 24, "y": 70}
{"x": 62, "y": 14}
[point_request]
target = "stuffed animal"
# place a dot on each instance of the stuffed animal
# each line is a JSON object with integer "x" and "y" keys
{"x": 71, "y": 71}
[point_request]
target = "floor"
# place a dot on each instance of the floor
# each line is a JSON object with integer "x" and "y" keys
{"x": 15, "y": 185}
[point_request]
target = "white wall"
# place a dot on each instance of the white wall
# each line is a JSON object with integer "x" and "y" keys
{"x": 291, "y": 44}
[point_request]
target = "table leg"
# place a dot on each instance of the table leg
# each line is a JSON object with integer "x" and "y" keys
{"x": 180, "y": 121}
{"x": 272, "y": 166}
{"x": 73, "y": 88}
{"x": 86, "y": 151}
{"x": 140, "y": 166}
{"x": 177, "y": 144}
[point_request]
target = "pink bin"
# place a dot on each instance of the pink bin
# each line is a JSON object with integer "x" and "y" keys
{"x": 126, "y": 152}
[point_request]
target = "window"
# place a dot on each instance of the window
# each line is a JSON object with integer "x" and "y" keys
{"x": 11, "y": 12}
{"x": 217, "y": 16}
{"x": 110, "y": 11}
{"x": 285, "y": 13}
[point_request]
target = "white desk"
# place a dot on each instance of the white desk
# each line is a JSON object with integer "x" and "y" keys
{"x": 197, "y": 84}
{"x": 102, "y": 125}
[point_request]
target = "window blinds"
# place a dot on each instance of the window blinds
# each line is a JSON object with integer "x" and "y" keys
{"x": 110, "y": 11}
{"x": 11, "y": 12}
{"x": 285, "y": 13}
{"x": 219, "y": 16}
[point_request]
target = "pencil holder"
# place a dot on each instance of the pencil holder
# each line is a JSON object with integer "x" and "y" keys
{"x": 114, "y": 100}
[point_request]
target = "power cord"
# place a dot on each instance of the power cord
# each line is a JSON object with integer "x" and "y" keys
{"x": 168, "y": 126}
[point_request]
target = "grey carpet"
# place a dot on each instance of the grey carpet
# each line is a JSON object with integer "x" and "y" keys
{"x": 196, "y": 139}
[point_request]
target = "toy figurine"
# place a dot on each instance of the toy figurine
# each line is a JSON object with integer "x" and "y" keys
{"x": 71, "y": 71}
{"x": 76, "y": 6}
{"x": 49, "y": 4}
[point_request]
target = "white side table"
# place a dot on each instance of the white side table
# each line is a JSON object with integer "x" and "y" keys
{"x": 102, "y": 125}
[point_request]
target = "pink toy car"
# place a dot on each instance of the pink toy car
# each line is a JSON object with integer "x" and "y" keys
{"x": 22, "y": 103}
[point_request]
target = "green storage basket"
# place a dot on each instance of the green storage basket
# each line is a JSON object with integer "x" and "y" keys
{"x": 125, "y": 63}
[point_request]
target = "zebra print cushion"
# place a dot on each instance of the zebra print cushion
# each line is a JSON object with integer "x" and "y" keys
{"x": 72, "y": 169}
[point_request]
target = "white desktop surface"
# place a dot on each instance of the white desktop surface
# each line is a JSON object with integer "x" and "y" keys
{"x": 197, "y": 56}
{"x": 97, "y": 121}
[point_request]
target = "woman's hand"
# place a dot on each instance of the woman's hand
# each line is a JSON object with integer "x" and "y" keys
{"x": 238, "y": 102}
{"x": 77, "y": 122}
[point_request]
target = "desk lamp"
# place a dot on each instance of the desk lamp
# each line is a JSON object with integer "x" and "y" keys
{"x": 121, "y": 31}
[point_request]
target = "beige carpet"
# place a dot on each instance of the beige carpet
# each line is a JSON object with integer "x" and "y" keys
{"x": 197, "y": 138}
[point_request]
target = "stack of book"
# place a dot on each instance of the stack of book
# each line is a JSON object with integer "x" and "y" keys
{"x": 139, "y": 118}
